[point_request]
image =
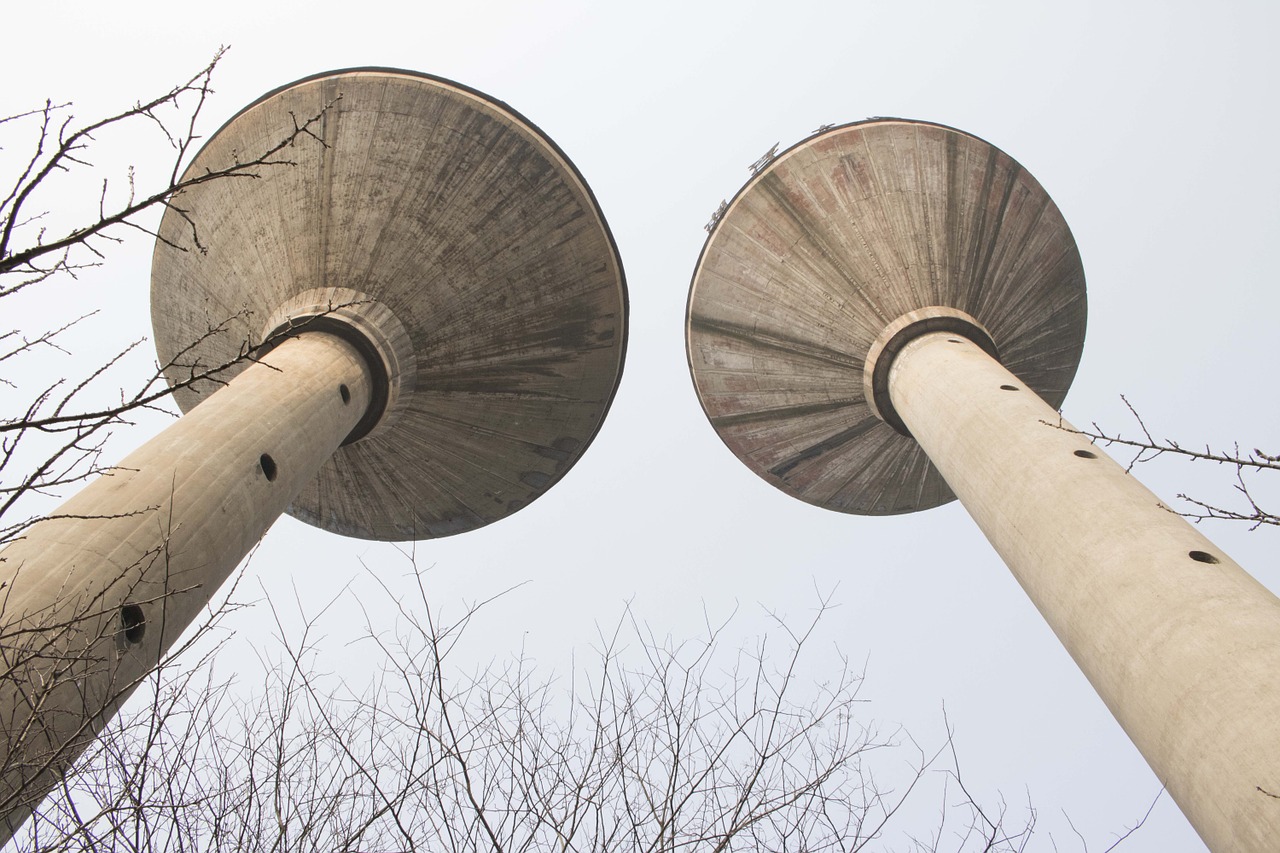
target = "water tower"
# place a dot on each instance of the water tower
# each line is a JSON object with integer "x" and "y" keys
{"x": 886, "y": 317}
{"x": 434, "y": 314}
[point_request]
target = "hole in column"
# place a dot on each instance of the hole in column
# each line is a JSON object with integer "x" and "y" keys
{"x": 1202, "y": 557}
{"x": 1008, "y": 387}
{"x": 1086, "y": 454}
{"x": 345, "y": 393}
{"x": 133, "y": 622}
{"x": 954, "y": 341}
{"x": 268, "y": 466}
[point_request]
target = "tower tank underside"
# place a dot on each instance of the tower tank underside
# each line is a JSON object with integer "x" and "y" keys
{"x": 828, "y": 245}
{"x": 472, "y": 228}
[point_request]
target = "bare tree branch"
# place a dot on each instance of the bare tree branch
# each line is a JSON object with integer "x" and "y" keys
{"x": 1148, "y": 448}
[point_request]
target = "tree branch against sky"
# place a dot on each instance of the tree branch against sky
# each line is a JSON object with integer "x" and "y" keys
{"x": 56, "y": 437}
{"x": 648, "y": 744}
{"x": 1242, "y": 466}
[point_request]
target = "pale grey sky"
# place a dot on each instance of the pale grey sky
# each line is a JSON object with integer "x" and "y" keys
{"x": 1151, "y": 124}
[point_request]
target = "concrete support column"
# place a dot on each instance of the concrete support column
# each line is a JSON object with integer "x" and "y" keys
{"x": 94, "y": 596}
{"x": 1180, "y": 642}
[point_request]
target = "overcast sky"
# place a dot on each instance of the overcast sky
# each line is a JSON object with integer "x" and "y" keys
{"x": 1151, "y": 124}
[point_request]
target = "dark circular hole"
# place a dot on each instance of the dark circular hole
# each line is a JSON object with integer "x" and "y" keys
{"x": 133, "y": 622}
{"x": 1086, "y": 454}
{"x": 345, "y": 393}
{"x": 1202, "y": 557}
{"x": 268, "y": 466}
{"x": 1008, "y": 387}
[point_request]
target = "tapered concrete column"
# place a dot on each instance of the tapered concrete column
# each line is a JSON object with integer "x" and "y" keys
{"x": 1179, "y": 641}
{"x": 97, "y": 593}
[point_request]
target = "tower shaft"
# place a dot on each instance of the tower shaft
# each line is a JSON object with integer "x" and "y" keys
{"x": 98, "y": 592}
{"x": 1179, "y": 641}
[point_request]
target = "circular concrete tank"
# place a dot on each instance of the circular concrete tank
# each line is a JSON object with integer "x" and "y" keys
{"x": 834, "y": 240}
{"x": 451, "y": 213}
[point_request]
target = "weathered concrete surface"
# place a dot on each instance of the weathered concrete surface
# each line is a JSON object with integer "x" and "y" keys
{"x": 160, "y": 534}
{"x": 481, "y": 237}
{"x": 831, "y": 242}
{"x": 1185, "y": 653}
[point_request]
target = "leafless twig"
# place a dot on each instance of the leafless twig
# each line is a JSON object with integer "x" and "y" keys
{"x": 1147, "y": 448}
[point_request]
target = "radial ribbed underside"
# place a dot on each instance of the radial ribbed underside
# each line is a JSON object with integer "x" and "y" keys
{"x": 836, "y": 238}
{"x": 472, "y": 228}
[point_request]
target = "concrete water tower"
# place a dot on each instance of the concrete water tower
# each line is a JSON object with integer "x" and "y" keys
{"x": 886, "y": 317}
{"x": 436, "y": 313}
